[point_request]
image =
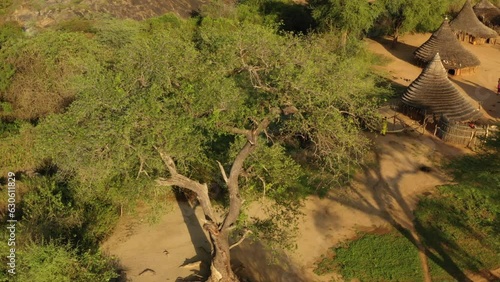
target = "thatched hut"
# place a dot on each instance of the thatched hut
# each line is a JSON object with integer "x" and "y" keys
{"x": 455, "y": 58}
{"x": 432, "y": 98}
{"x": 488, "y": 14}
{"x": 433, "y": 94}
{"x": 468, "y": 28}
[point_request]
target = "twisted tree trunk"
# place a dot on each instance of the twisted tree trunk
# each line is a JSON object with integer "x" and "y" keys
{"x": 218, "y": 230}
{"x": 220, "y": 268}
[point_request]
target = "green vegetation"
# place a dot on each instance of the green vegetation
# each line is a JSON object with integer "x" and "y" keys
{"x": 372, "y": 257}
{"x": 99, "y": 115}
{"x": 55, "y": 262}
{"x": 114, "y": 108}
{"x": 460, "y": 225}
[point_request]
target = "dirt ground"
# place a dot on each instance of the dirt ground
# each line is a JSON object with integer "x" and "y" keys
{"x": 384, "y": 193}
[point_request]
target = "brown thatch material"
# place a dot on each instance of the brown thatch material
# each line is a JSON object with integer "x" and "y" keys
{"x": 484, "y": 4}
{"x": 488, "y": 13}
{"x": 467, "y": 22}
{"x": 453, "y": 54}
{"x": 433, "y": 93}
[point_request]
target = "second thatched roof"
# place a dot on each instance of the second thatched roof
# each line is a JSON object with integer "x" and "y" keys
{"x": 466, "y": 21}
{"x": 453, "y": 54}
{"x": 488, "y": 13}
{"x": 433, "y": 92}
{"x": 484, "y": 4}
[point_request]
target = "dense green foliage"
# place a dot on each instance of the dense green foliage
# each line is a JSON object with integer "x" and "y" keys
{"x": 48, "y": 262}
{"x": 179, "y": 87}
{"x": 354, "y": 17}
{"x": 460, "y": 225}
{"x": 54, "y": 207}
{"x": 86, "y": 106}
{"x": 389, "y": 257}
{"x": 102, "y": 96}
{"x": 41, "y": 74}
{"x": 402, "y": 16}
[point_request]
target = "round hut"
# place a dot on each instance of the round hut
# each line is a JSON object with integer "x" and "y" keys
{"x": 455, "y": 58}
{"x": 488, "y": 14}
{"x": 433, "y": 99}
{"x": 468, "y": 28}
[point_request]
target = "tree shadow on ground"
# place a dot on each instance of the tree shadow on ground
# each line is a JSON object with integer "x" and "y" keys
{"x": 198, "y": 238}
{"x": 400, "y": 50}
{"x": 486, "y": 98}
{"x": 385, "y": 199}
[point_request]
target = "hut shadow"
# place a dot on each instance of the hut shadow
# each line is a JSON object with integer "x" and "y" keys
{"x": 486, "y": 98}
{"x": 401, "y": 50}
{"x": 384, "y": 197}
{"x": 198, "y": 238}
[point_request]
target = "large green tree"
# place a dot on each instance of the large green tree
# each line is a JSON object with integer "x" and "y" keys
{"x": 352, "y": 18}
{"x": 188, "y": 104}
{"x": 402, "y": 16}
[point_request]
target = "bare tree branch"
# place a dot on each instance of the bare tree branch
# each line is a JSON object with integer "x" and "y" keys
{"x": 236, "y": 130}
{"x": 222, "y": 172}
{"x": 261, "y": 127}
{"x": 179, "y": 180}
{"x": 235, "y": 201}
{"x": 169, "y": 162}
{"x": 242, "y": 239}
{"x": 263, "y": 185}
{"x": 141, "y": 168}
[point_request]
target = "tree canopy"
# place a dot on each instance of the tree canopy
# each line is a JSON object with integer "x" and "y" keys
{"x": 188, "y": 102}
{"x": 402, "y": 16}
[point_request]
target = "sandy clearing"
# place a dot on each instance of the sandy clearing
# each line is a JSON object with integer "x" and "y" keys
{"x": 155, "y": 252}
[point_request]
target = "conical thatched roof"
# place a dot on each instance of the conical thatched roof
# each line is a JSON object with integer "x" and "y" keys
{"x": 433, "y": 91}
{"x": 444, "y": 42}
{"x": 467, "y": 21}
{"x": 488, "y": 13}
{"x": 484, "y": 4}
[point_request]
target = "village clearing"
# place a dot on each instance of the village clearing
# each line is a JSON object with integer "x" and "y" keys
{"x": 383, "y": 193}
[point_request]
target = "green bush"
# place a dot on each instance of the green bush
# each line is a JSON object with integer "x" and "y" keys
{"x": 77, "y": 25}
{"x": 51, "y": 262}
{"x": 389, "y": 257}
{"x": 16, "y": 147}
{"x": 55, "y": 209}
{"x": 42, "y": 74}
{"x": 5, "y": 5}
{"x": 9, "y": 128}
{"x": 9, "y": 31}
{"x": 118, "y": 33}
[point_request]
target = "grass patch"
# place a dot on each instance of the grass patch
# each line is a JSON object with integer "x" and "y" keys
{"x": 371, "y": 257}
{"x": 459, "y": 227}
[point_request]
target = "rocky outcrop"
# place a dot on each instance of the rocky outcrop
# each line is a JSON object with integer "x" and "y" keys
{"x": 32, "y": 16}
